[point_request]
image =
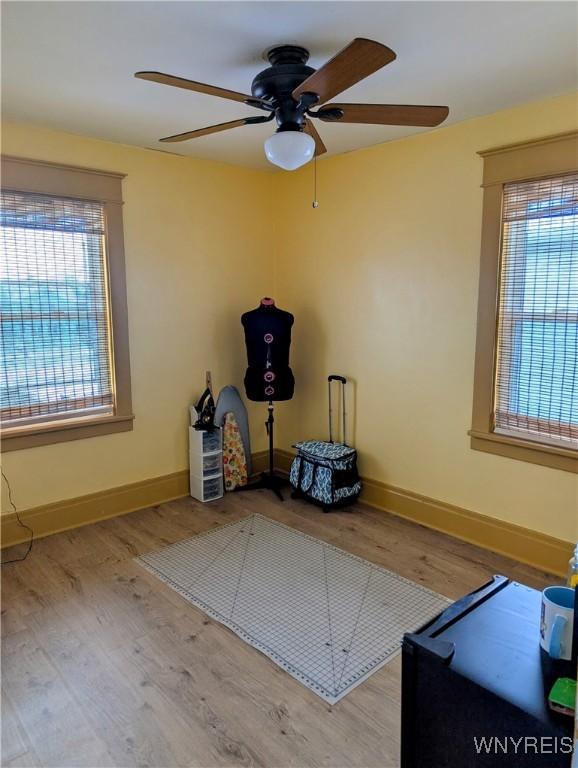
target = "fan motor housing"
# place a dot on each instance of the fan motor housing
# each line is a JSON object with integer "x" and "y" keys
{"x": 276, "y": 83}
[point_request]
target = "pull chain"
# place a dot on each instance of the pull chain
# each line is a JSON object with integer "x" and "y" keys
{"x": 315, "y": 203}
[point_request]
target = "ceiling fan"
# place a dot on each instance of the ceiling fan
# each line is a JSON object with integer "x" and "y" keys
{"x": 288, "y": 91}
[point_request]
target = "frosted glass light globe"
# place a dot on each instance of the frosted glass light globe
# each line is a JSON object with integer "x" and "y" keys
{"x": 289, "y": 149}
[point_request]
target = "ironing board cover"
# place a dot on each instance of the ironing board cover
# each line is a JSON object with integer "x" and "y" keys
{"x": 234, "y": 460}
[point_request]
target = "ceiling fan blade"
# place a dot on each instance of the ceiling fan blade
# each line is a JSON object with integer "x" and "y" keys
{"x": 384, "y": 114}
{"x": 320, "y": 147}
{"x": 353, "y": 63}
{"x": 204, "y": 131}
{"x": 193, "y": 85}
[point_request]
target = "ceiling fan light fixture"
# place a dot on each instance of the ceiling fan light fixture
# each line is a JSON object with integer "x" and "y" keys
{"x": 289, "y": 149}
{"x": 288, "y": 89}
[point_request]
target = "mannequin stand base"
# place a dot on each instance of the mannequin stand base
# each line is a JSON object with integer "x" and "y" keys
{"x": 268, "y": 480}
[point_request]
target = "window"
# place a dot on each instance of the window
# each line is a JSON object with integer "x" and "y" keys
{"x": 63, "y": 356}
{"x": 536, "y": 383}
{"x": 526, "y": 388}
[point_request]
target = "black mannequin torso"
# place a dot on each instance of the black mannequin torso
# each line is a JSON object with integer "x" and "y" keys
{"x": 268, "y": 338}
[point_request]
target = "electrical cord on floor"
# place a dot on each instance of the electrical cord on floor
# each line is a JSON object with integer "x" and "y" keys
{"x": 20, "y": 523}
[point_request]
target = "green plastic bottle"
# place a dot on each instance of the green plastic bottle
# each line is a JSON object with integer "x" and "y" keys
{"x": 573, "y": 569}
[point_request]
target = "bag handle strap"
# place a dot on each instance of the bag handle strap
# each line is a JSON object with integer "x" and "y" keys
{"x": 300, "y": 484}
{"x": 343, "y": 381}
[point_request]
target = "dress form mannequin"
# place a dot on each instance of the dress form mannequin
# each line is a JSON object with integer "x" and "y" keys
{"x": 268, "y": 377}
{"x": 268, "y": 338}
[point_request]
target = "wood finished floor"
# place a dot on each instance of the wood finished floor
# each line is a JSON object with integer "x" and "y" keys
{"x": 104, "y": 665}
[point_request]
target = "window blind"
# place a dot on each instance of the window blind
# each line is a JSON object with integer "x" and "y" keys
{"x": 54, "y": 309}
{"x": 536, "y": 373}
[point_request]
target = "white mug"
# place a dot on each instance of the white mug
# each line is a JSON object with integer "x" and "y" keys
{"x": 557, "y": 622}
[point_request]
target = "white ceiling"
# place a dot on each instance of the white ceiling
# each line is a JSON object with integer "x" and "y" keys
{"x": 69, "y": 65}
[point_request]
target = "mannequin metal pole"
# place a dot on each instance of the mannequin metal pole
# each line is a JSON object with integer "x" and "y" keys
{"x": 268, "y": 479}
{"x": 269, "y": 426}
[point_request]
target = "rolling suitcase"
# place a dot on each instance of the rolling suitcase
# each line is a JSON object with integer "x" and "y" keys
{"x": 325, "y": 472}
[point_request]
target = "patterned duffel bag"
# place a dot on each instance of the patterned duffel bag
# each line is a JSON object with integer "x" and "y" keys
{"x": 325, "y": 473}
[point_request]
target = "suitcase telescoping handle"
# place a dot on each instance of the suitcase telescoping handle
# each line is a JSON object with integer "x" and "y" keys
{"x": 343, "y": 381}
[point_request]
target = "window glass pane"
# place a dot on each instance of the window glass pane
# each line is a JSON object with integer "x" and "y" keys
{"x": 544, "y": 377}
{"x": 55, "y": 352}
{"x": 536, "y": 388}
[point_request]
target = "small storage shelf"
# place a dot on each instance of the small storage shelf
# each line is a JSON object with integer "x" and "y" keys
{"x": 206, "y": 488}
{"x": 206, "y": 464}
{"x": 211, "y": 441}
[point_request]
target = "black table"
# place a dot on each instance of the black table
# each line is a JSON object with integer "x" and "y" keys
{"x": 475, "y": 684}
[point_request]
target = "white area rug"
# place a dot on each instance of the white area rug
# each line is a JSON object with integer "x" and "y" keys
{"x": 328, "y": 618}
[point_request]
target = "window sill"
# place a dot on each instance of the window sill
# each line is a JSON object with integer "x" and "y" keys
{"x": 525, "y": 450}
{"x": 17, "y": 439}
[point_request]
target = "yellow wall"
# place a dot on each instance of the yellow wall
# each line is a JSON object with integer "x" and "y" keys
{"x": 193, "y": 266}
{"x": 383, "y": 280}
